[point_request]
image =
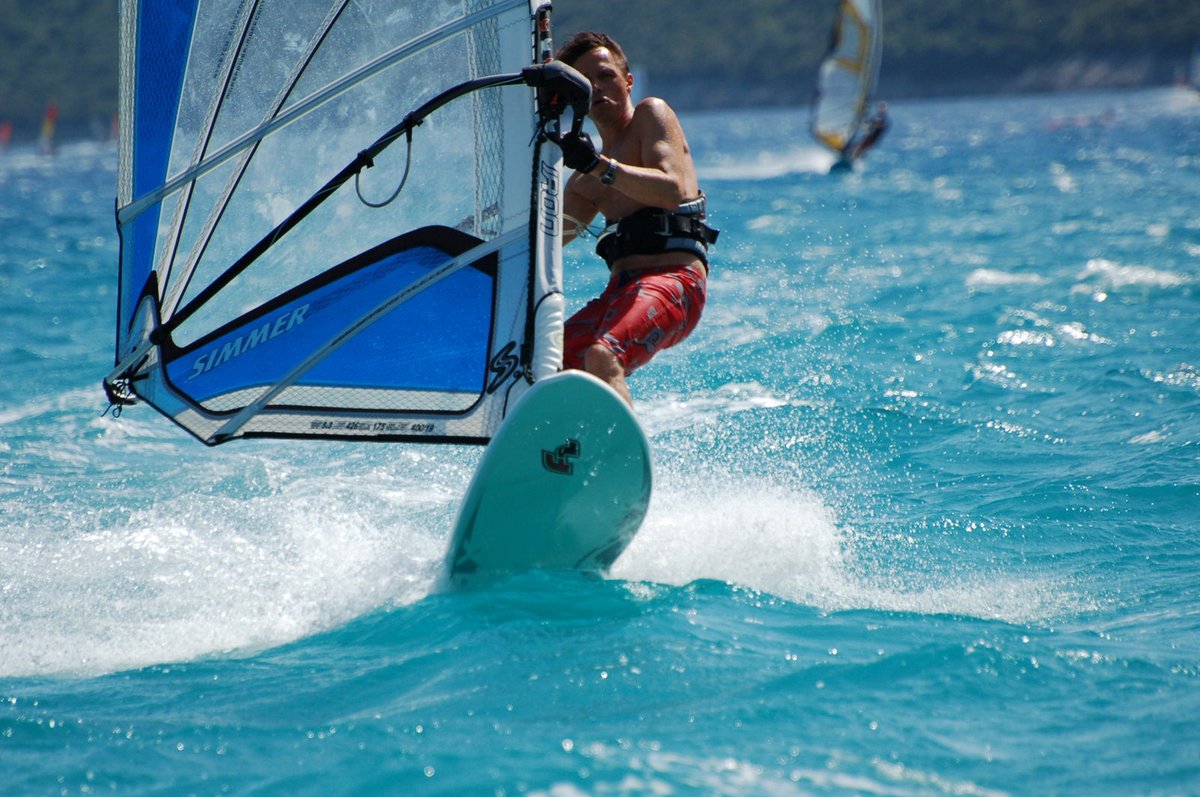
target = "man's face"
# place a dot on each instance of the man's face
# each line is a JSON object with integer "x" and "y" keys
{"x": 610, "y": 86}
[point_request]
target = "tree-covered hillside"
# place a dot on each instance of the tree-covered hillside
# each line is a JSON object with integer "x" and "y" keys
{"x": 701, "y": 53}
{"x": 62, "y": 52}
{"x": 755, "y": 52}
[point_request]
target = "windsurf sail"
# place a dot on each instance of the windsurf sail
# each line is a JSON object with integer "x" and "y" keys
{"x": 46, "y": 143}
{"x": 848, "y": 73}
{"x": 338, "y": 218}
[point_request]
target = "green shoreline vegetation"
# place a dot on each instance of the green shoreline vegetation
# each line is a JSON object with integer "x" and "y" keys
{"x": 700, "y": 54}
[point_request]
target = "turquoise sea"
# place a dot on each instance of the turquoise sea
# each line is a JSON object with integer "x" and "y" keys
{"x": 925, "y": 522}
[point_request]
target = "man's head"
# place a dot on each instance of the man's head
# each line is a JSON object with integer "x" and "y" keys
{"x": 585, "y": 42}
{"x": 602, "y": 61}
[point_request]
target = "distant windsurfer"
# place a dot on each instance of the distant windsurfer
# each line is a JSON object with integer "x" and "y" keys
{"x": 868, "y": 136}
{"x": 46, "y": 141}
{"x": 655, "y": 241}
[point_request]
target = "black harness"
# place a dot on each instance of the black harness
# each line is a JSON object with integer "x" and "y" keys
{"x": 651, "y": 231}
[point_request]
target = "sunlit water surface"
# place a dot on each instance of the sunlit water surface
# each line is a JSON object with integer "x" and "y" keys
{"x": 925, "y": 518}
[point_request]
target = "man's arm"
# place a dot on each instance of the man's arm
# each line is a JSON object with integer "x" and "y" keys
{"x": 578, "y": 209}
{"x": 665, "y": 178}
{"x": 662, "y": 179}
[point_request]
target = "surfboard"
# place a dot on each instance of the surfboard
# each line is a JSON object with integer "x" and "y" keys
{"x": 564, "y": 484}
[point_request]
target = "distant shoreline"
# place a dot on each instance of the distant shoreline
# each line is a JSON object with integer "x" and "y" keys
{"x": 717, "y": 55}
{"x": 698, "y": 94}
{"x": 1077, "y": 73}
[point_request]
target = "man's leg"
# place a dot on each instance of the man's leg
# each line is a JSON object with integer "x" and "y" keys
{"x": 599, "y": 361}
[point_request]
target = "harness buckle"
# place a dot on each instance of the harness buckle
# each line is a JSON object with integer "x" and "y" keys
{"x": 664, "y": 224}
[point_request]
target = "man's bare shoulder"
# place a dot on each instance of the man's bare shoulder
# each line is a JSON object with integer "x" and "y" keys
{"x": 654, "y": 108}
{"x": 654, "y": 120}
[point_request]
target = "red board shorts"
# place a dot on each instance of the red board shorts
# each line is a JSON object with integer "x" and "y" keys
{"x": 638, "y": 314}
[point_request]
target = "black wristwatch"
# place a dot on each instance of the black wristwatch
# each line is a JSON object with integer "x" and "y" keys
{"x": 610, "y": 173}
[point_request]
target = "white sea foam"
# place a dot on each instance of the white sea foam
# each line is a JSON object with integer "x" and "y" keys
{"x": 616, "y": 770}
{"x": 983, "y": 278}
{"x": 997, "y": 373}
{"x": 1102, "y": 274}
{"x": 198, "y": 574}
{"x": 778, "y": 540}
{"x": 1149, "y": 438}
{"x": 1025, "y": 337}
{"x": 716, "y": 521}
{"x": 1183, "y": 375}
{"x": 789, "y": 542}
{"x": 768, "y": 165}
{"x": 674, "y": 411}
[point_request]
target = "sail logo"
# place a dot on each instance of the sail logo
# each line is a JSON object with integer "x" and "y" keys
{"x": 549, "y": 197}
{"x": 559, "y": 460}
{"x": 503, "y": 365}
{"x": 271, "y": 329}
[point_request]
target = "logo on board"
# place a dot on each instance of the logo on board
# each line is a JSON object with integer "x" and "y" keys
{"x": 559, "y": 460}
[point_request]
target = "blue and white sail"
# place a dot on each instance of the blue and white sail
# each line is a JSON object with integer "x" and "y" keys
{"x": 268, "y": 288}
{"x": 848, "y": 73}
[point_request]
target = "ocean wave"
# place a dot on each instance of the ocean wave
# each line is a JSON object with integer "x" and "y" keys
{"x": 1101, "y": 276}
{"x": 984, "y": 278}
{"x": 1184, "y": 375}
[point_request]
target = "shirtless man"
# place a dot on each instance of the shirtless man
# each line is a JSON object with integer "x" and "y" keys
{"x": 867, "y": 136}
{"x": 644, "y": 183}
{"x": 873, "y": 130}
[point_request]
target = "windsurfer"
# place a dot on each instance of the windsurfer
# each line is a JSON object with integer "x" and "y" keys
{"x": 872, "y": 130}
{"x": 644, "y": 183}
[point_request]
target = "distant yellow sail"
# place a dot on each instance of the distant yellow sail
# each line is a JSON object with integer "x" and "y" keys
{"x": 848, "y": 72}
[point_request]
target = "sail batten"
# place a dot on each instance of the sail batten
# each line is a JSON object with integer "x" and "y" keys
{"x": 260, "y": 293}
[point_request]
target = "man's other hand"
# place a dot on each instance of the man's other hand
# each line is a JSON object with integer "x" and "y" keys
{"x": 579, "y": 153}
